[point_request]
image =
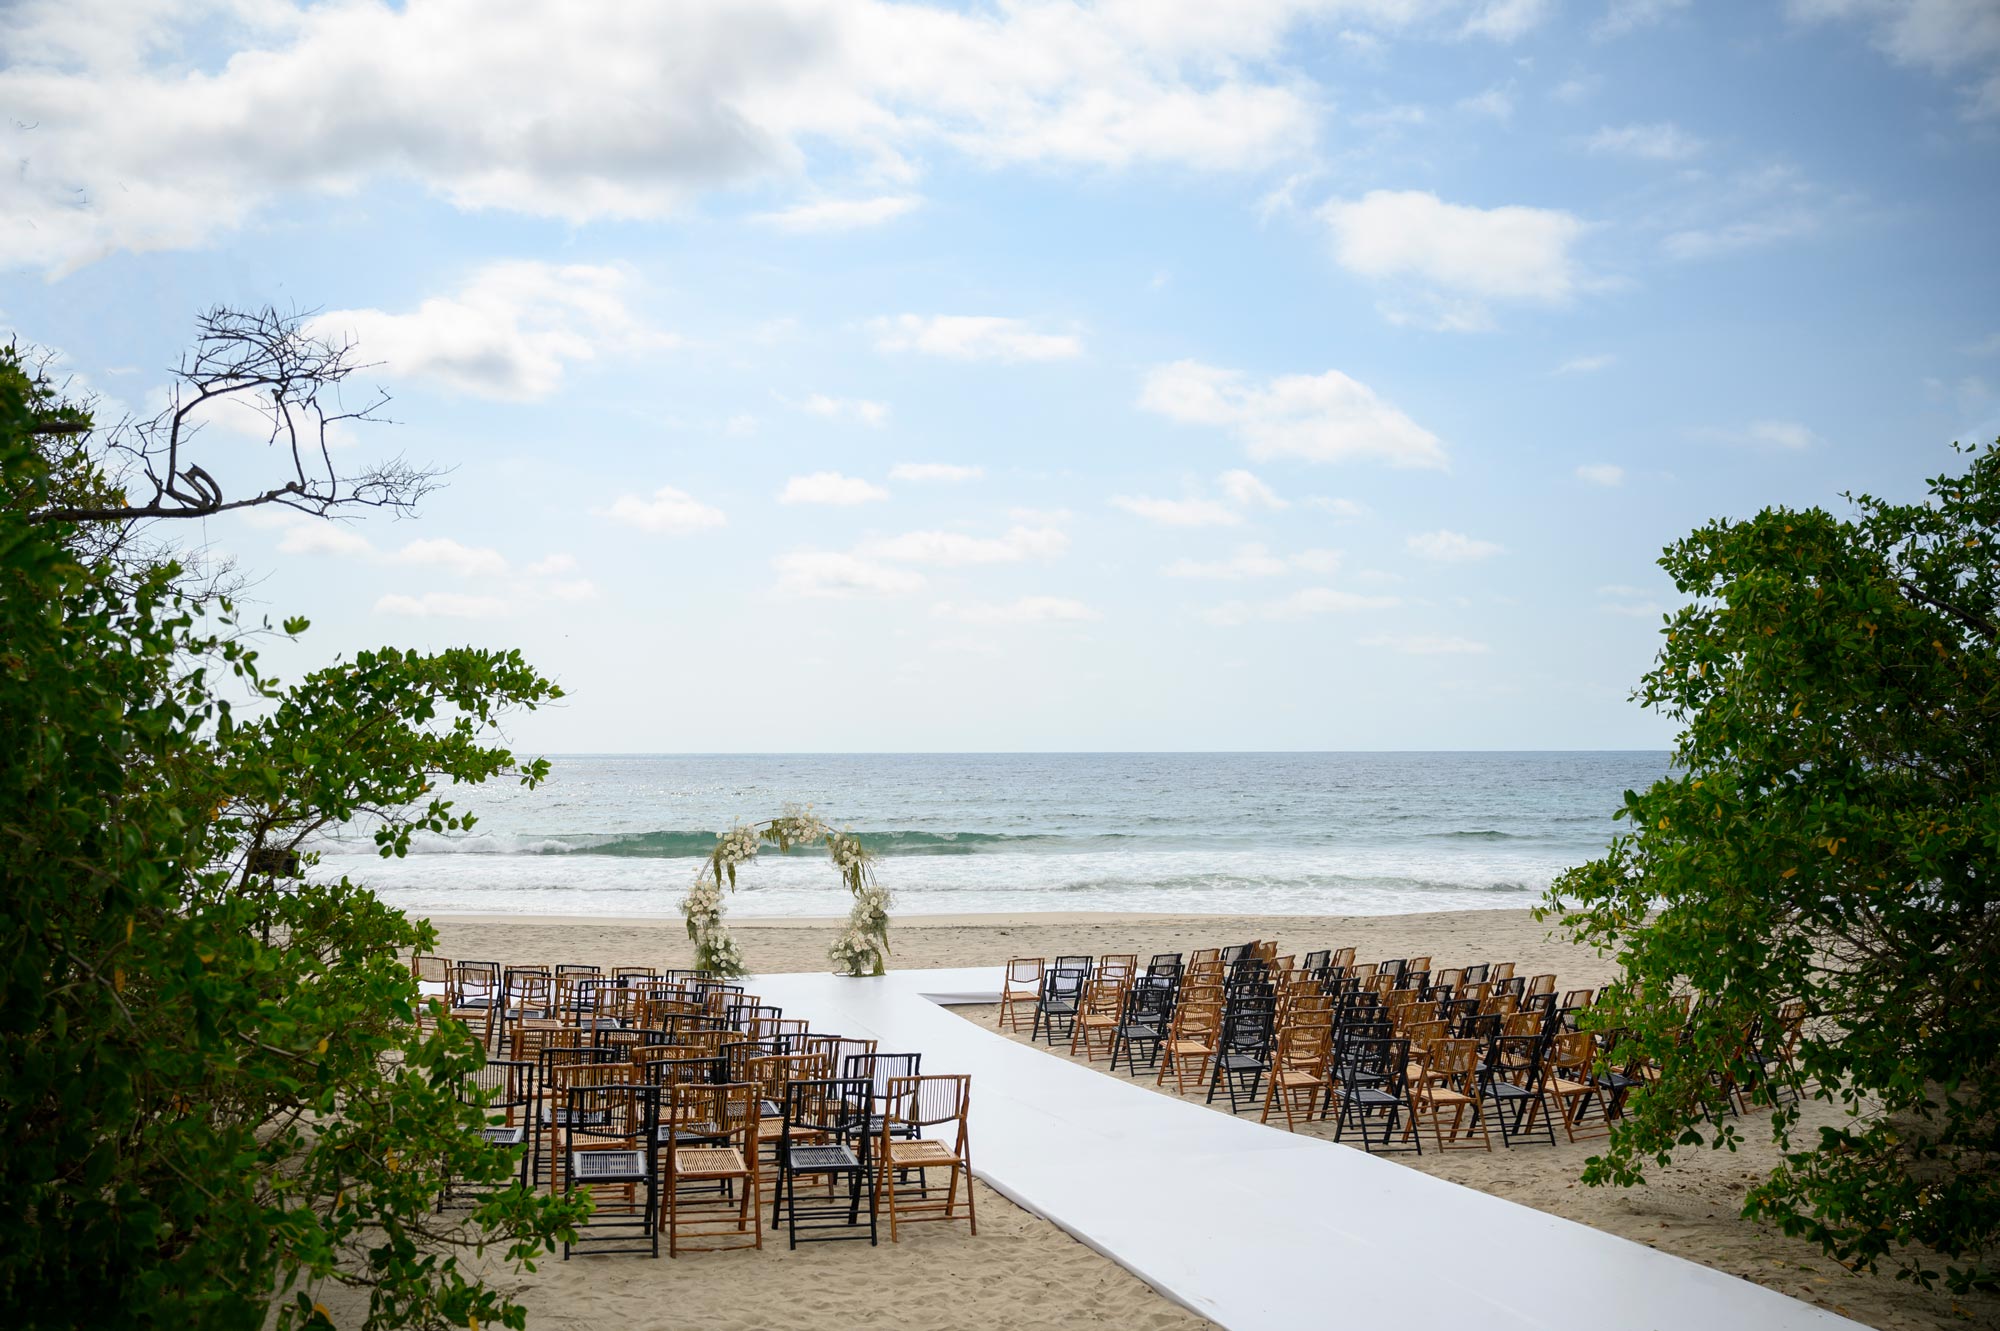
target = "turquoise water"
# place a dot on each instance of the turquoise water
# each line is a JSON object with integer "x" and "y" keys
{"x": 1286, "y": 833}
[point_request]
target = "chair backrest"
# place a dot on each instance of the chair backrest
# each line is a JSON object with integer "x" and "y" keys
{"x": 1064, "y": 985}
{"x": 1025, "y": 973}
{"x": 1202, "y": 956}
{"x": 878, "y": 1070}
{"x": 1119, "y": 966}
{"x": 1572, "y": 1052}
{"x": 609, "y": 1111}
{"x": 1540, "y": 984}
{"x": 1377, "y": 1063}
{"x": 1247, "y": 1026}
{"x": 927, "y": 1102}
{"x": 837, "y": 1049}
{"x": 1457, "y": 1063}
{"x": 770, "y": 1075}
{"x": 430, "y": 969}
{"x": 737, "y": 1055}
{"x": 729, "y": 1110}
{"x": 1304, "y": 1049}
{"x": 475, "y": 983}
{"x": 831, "y": 1110}
{"x": 574, "y": 968}
{"x": 503, "y": 1085}
{"x": 687, "y": 1069}
{"x": 1164, "y": 963}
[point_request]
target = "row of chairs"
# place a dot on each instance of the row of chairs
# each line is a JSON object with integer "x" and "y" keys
{"x": 684, "y": 1104}
{"x": 1316, "y": 1035}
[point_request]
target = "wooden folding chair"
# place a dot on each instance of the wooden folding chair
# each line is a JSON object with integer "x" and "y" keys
{"x": 1298, "y": 1073}
{"x": 910, "y": 1106}
{"x": 1022, "y": 987}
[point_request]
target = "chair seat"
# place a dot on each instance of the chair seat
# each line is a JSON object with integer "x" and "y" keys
{"x": 1189, "y": 1047}
{"x": 923, "y": 1151}
{"x": 504, "y": 1136}
{"x": 1298, "y": 1079}
{"x": 613, "y": 1166}
{"x": 807, "y": 1159}
{"x": 708, "y": 1162}
{"x": 1440, "y": 1096}
{"x": 1566, "y": 1087}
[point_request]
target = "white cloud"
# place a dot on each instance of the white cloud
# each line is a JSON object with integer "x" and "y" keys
{"x": 1495, "y": 103}
{"x": 1587, "y": 364}
{"x": 1301, "y": 604}
{"x": 1632, "y": 601}
{"x": 628, "y": 111}
{"x": 1451, "y": 547}
{"x": 1256, "y": 561}
{"x": 846, "y": 408}
{"x": 1325, "y": 418}
{"x": 442, "y": 605}
{"x": 740, "y": 426}
{"x": 832, "y": 574}
{"x": 1179, "y": 512}
{"x": 1246, "y": 489}
{"x": 306, "y": 537}
{"x": 830, "y": 487}
{"x": 946, "y": 472}
{"x": 1788, "y": 435}
{"x": 1601, "y": 473}
{"x": 1507, "y": 20}
{"x": 1661, "y": 142}
{"x": 1947, "y": 37}
{"x": 668, "y": 510}
{"x": 840, "y": 214}
{"x": 1340, "y": 508}
{"x": 1986, "y": 346}
{"x": 972, "y": 337}
{"x": 510, "y": 332}
{"x": 553, "y": 565}
{"x": 443, "y": 552}
{"x": 951, "y": 549}
{"x": 1457, "y": 256}
{"x": 1025, "y": 610}
{"x": 1623, "y": 16}
{"x": 1426, "y": 644}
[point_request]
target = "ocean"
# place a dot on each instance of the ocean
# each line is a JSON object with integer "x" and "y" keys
{"x": 1211, "y": 833}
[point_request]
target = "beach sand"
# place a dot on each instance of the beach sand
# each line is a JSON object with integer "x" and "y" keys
{"x": 1022, "y": 1272}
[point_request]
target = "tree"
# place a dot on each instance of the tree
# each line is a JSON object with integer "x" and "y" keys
{"x": 216, "y": 1094}
{"x": 1830, "y": 836}
{"x": 267, "y": 373}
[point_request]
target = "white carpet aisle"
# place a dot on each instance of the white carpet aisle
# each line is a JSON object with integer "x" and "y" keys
{"x": 1254, "y": 1227}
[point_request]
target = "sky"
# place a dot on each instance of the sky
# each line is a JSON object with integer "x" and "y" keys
{"x": 839, "y": 375}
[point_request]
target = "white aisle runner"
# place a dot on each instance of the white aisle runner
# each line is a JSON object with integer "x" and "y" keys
{"x": 1254, "y": 1227}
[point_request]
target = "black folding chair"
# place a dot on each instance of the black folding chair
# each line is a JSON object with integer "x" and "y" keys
{"x": 1374, "y": 1088}
{"x": 825, "y": 1139}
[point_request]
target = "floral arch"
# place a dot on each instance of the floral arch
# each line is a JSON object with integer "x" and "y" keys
{"x": 863, "y": 944}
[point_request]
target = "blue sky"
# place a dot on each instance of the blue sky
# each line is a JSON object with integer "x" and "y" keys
{"x": 841, "y": 375}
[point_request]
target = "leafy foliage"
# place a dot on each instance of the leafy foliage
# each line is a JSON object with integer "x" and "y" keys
{"x": 1831, "y": 836}
{"x": 216, "y": 1094}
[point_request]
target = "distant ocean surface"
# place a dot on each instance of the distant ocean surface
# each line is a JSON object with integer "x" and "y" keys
{"x": 1276, "y": 833}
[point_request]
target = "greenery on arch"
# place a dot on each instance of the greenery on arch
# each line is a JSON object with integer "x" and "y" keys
{"x": 862, "y": 947}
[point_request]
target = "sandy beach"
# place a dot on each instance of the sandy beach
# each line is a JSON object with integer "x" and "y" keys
{"x": 1023, "y": 1272}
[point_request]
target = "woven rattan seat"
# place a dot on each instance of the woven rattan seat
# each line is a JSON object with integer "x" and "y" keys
{"x": 920, "y": 1152}
{"x": 695, "y": 1160}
